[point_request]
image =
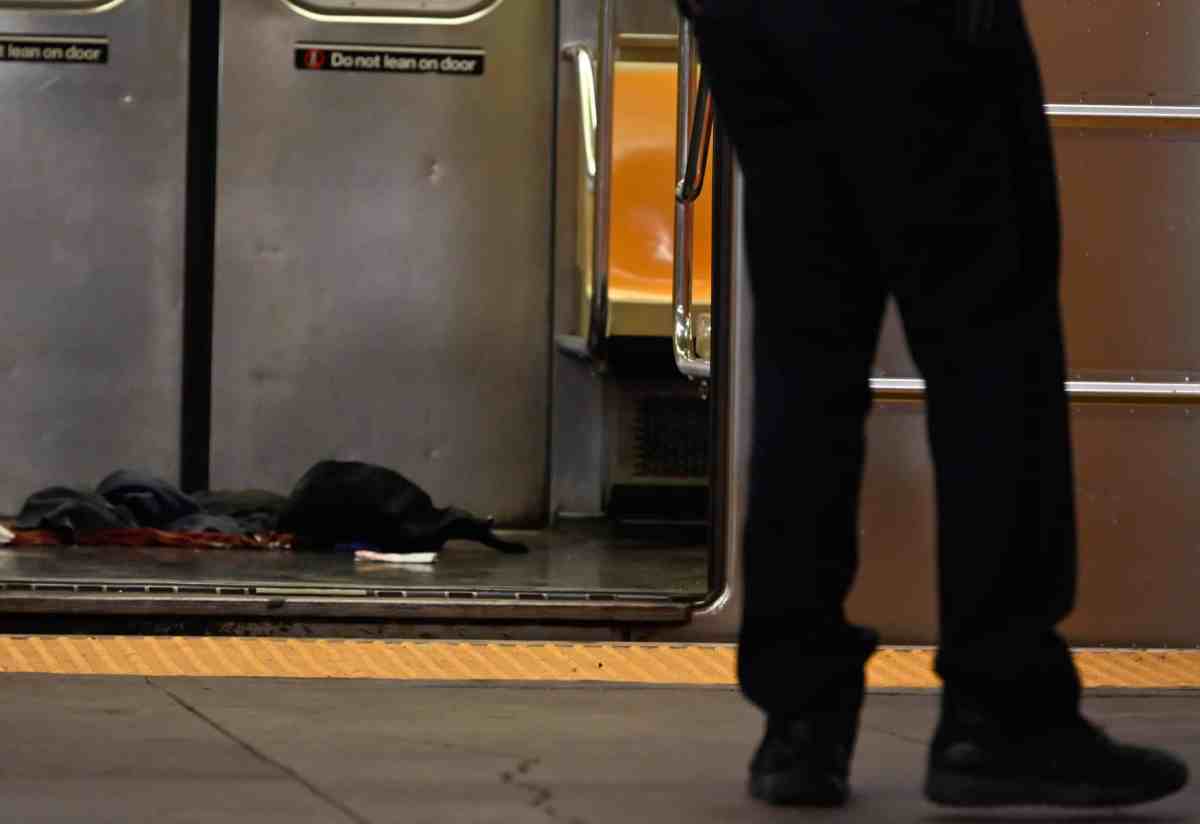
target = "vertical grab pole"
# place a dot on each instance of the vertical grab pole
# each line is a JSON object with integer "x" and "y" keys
{"x": 682, "y": 336}
{"x": 691, "y": 148}
{"x": 601, "y": 241}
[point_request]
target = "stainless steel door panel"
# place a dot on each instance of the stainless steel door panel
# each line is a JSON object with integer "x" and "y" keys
{"x": 893, "y": 359}
{"x": 1136, "y": 469}
{"x": 1130, "y": 196}
{"x": 383, "y": 259}
{"x": 90, "y": 303}
{"x": 1118, "y": 51}
{"x": 1131, "y": 205}
{"x": 894, "y": 590}
{"x": 1131, "y": 236}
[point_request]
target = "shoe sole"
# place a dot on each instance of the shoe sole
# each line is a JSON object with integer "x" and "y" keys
{"x": 957, "y": 790}
{"x": 799, "y": 788}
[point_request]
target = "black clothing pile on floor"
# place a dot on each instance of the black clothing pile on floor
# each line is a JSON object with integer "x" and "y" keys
{"x": 340, "y": 503}
{"x": 334, "y": 505}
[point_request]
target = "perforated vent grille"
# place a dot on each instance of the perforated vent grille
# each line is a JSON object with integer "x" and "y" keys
{"x": 671, "y": 438}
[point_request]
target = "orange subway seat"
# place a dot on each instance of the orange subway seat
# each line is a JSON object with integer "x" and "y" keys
{"x": 643, "y": 205}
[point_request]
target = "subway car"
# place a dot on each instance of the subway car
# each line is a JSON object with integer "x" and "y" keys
{"x": 496, "y": 246}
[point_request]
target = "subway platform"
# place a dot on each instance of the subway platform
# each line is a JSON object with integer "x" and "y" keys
{"x": 523, "y": 733}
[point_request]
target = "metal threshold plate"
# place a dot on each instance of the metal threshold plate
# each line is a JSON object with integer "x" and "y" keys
{"x": 581, "y": 572}
{"x": 278, "y": 602}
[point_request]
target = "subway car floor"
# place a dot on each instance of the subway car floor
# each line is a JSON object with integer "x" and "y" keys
{"x": 121, "y": 749}
{"x": 575, "y": 556}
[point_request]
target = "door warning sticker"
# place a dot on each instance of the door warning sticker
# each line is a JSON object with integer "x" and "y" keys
{"x": 328, "y": 57}
{"x": 48, "y": 49}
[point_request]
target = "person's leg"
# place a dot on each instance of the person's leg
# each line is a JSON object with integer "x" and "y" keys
{"x": 975, "y": 251}
{"x": 933, "y": 160}
{"x": 818, "y": 304}
{"x": 977, "y": 278}
{"x": 888, "y": 137}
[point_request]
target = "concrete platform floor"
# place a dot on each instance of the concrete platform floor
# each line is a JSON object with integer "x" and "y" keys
{"x": 118, "y": 749}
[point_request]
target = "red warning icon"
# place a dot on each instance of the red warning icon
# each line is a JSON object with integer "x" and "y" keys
{"x": 314, "y": 59}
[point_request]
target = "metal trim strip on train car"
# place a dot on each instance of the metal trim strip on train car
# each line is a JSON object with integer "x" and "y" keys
{"x": 373, "y": 59}
{"x": 66, "y": 7}
{"x": 408, "y": 18}
{"x": 56, "y": 49}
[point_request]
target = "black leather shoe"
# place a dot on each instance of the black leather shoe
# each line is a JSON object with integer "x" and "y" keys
{"x": 1073, "y": 766}
{"x": 804, "y": 762}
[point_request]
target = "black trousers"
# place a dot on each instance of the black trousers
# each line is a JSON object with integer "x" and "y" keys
{"x": 886, "y": 155}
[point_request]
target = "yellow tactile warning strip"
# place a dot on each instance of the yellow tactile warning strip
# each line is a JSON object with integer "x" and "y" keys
{"x": 691, "y": 664}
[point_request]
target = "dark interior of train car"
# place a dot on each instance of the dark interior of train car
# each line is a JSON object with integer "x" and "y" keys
{"x": 423, "y": 279}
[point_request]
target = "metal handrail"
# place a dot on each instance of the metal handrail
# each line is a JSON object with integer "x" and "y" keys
{"x": 914, "y": 388}
{"x": 65, "y": 7}
{"x": 309, "y": 9}
{"x": 1094, "y": 111}
{"x": 597, "y": 338}
{"x": 596, "y": 125}
{"x": 588, "y": 114}
{"x": 692, "y": 184}
{"x": 688, "y": 161}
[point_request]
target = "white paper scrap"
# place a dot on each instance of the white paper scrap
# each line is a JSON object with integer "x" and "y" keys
{"x": 396, "y": 557}
{"x": 6, "y": 537}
